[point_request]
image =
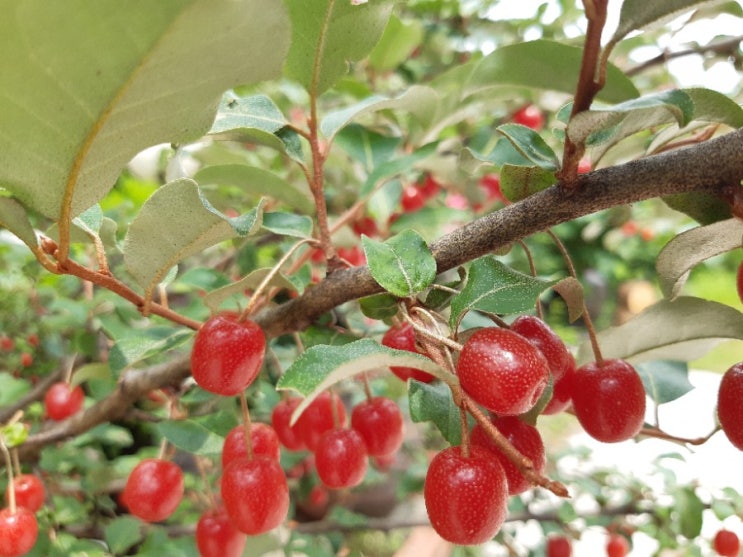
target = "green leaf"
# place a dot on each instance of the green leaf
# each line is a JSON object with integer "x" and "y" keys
{"x": 322, "y": 366}
{"x": 183, "y": 223}
{"x": 689, "y": 509}
{"x": 216, "y": 298}
{"x": 665, "y": 380}
{"x": 147, "y": 343}
{"x": 403, "y": 265}
{"x": 257, "y": 182}
{"x": 690, "y": 248}
{"x": 98, "y": 370}
{"x": 327, "y": 35}
{"x": 398, "y": 41}
{"x": 13, "y": 435}
{"x": 713, "y": 106}
{"x": 87, "y": 102}
{"x": 122, "y": 533}
{"x": 191, "y": 437}
{"x": 495, "y": 288}
{"x": 531, "y": 145}
{"x": 702, "y": 207}
{"x": 648, "y": 111}
{"x": 366, "y": 146}
{"x": 683, "y": 329}
{"x": 288, "y": 224}
{"x": 11, "y": 389}
{"x": 13, "y": 216}
{"x": 519, "y": 182}
{"x": 543, "y": 64}
{"x": 396, "y": 166}
{"x": 433, "y": 402}
{"x": 379, "y": 306}
{"x": 638, "y": 14}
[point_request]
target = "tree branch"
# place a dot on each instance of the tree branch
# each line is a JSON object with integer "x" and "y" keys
{"x": 709, "y": 166}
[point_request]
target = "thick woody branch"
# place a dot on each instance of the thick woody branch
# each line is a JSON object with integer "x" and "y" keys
{"x": 711, "y": 166}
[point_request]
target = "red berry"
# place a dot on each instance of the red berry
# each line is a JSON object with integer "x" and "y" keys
{"x": 609, "y": 400}
{"x": 384, "y": 462}
{"x": 584, "y": 166}
{"x": 412, "y": 199}
{"x": 280, "y": 420}
{"x": 524, "y": 438}
{"x": 26, "y": 359}
{"x": 7, "y": 343}
{"x": 739, "y": 282}
{"x": 366, "y": 226}
{"x": 727, "y": 543}
{"x": 353, "y": 255}
{"x": 154, "y": 489}
{"x": 318, "y": 418}
{"x": 29, "y": 492}
{"x": 491, "y": 184}
{"x": 562, "y": 391}
{"x": 559, "y": 546}
{"x": 262, "y": 437}
{"x": 617, "y": 546}
{"x": 466, "y": 496}
{"x": 227, "y": 354}
{"x": 33, "y": 339}
{"x": 341, "y": 458}
{"x": 18, "y": 532}
{"x": 546, "y": 340}
{"x": 502, "y": 371}
{"x": 430, "y": 187}
{"x": 403, "y": 338}
{"x": 729, "y": 407}
{"x": 216, "y": 536}
{"x": 530, "y": 116}
{"x": 255, "y": 494}
{"x": 62, "y": 400}
{"x": 380, "y": 424}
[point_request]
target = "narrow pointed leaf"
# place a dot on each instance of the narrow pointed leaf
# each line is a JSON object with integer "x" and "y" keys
{"x": 690, "y": 248}
{"x": 433, "y": 402}
{"x": 495, "y": 288}
{"x": 288, "y": 224}
{"x": 519, "y": 182}
{"x": 531, "y": 145}
{"x": 91, "y": 84}
{"x": 665, "y": 380}
{"x": 328, "y": 34}
{"x": 14, "y": 217}
{"x": 184, "y": 223}
{"x": 403, "y": 265}
{"x": 131, "y": 350}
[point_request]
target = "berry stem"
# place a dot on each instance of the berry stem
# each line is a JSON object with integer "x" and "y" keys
{"x": 465, "y": 432}
{"x": 207, "y": 485}
{"x": 11, "y": 486}
{"x": 246, "y": 425}
{"x": 334, "y": 410}
{"x": 586, "y": 315}
{"x": 367, "y": 387}
{"x": 163, "y": 449}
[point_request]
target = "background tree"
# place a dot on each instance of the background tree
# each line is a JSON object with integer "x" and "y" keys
{"x": 349, "y": 187}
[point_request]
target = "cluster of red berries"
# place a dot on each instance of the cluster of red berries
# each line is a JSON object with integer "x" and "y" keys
{"x": 18, "y": 525}
{"x": 23, "y": 348}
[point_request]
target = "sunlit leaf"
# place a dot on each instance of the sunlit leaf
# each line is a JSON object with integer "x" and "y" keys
{"x": 216, "y": 298}
{"x": 433, "y": 402}
{"x": 403, "y": 265}
{"x": 530, "y": 145}
{"x": 397, "y": 42}
{"x": 150, "y": 342}
{"x": 638, "y": 14}
{"x": 519, "y": 182}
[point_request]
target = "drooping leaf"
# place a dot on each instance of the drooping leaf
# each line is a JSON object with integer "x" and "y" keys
{"x": 397, "y": 42}
{"x": 403, "y": 265}
{"x": 433, "y": 402}
{"x": 571, "y": 291}
{"x": 689, "y": 510}
{"x": 702, "y": 207}
{"x": 683, "y": 329}
{"x": 543, "y": 64}
{"x": 328, "y": 34}
{"x": 183, "y": 223}
{"x": 93, "y": 84}
{"x": 257, "y": 182}
{"x": 494, "y": 287}
{"x": 191, "y": 437}
{"x": 690, "y": 248}
{"x": 531, "y": 145}
{"x": 216, "y": 298}
{"x": 288, "y": 224}
{"x": 665, "y": 380}
{"x": 13, "y": 216}
{"x": 519, "y": 182}
{"x": 638, "y": 14}
{"x": 379, "y": 306}
{"x": 322, "y": 366}
{"x": 147, "y": 343}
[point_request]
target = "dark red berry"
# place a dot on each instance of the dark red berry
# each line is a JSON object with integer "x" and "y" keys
{"x": 379, "y": 422}
{"x": 255, "y": 494}
{"x": 530, "y": 116}
{"x": 559, "y": 546}
{"x": 216, "y": 536}
{"x": 29, "y": 492}
{"x": 63, "y": 400}
{"x": 609, "y": 400}
{"x": 524, "y": 438}
{"x": 319, "y": 417}
{"x": 617, "y": 546}
{"x": 403, "y": 338}
{"x": 546, "y": 340}
{"x": 280, "y": 420}
{"x": 466, "y": 496}
{"x": 727, "y": 543}
{"x": 18, "y": 532}
{"x": 729, "y": 407}
{"x": 341, "y": 458}
{"x": 263, "y": 439}
{"x": 227, "y": 354}
{"x": 412, "y": 199}
{"x": 365, "y": 226}
{"x": 502, "y": 371}
{"x": 154, "y": 489}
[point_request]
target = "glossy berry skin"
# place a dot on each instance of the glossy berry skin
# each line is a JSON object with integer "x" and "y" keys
{"x": 18, "y": 532}
{"x": 562, "y": 391}
{"x": 559, "y": 546}
{"x": 412, "y": 199}
{"x": 739, "y": 281}
{"x": 379, "y": 422}
{"x": 727, "y": 543}
{"x": 609, "y": 400}
{"x": 403, "y": 338}
{"x": 546, "y": 340}
{"x": 62, "y": 401}
{"x": 216, "y": 536}
{"x": 729, "y": 407}
{"x": 502, "y": 371}
{"x": 262, "y": 437}
{"x": 617, "y": 546}
{"x": 29, "y": 492}
{"x": 341, "y": 458}
{"x": 524, "y": 438}
{"x": 466, "y": 496}
{"x": 255, "y": 494}
{"x": 318, "y": 418}
{"x": 281, "y": 418}
{"x": 227, "y": 354}
{"x": 530, "y": 116}
{"x": 153, "y": 490}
